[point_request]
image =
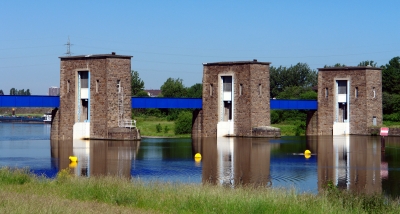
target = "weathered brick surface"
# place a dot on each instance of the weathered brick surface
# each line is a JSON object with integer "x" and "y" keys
{"x": 251, "y": 108}
{"x": 104, "y": 71}
{"x": 312, "y": 123}
{"x": 55, "y": 122}
{"x": 197, "y": 122}
{"x": 362, "y": 108}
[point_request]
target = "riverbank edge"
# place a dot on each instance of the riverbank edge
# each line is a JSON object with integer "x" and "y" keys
{"x": 134, "y": 195}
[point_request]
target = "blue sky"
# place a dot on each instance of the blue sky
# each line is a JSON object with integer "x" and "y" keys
{"x": 173, "y": 38}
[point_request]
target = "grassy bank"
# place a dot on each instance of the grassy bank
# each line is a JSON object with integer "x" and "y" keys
{"x": 148, "y": 127}
{"x": 287, "y": 129}
{"x": 21, "y": 192}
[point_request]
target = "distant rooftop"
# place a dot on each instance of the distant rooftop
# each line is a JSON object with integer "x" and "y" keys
{"x": 153, "y": 92}
{"x": 112, "y": 55}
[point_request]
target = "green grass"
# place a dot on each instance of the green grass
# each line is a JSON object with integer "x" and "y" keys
{"x": 289, "y": 128}
{"x": 391, "y": 124}
{"x": 147, "y": 126}
{"x": 70, "y": 194}
{"x": 24, "y": 115}
{"x": 286, "y": 129}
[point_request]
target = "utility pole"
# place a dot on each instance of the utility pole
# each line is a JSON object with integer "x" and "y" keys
{"x": 68, "y": 48}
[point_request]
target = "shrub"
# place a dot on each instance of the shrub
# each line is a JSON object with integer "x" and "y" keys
{"x": 183, "y": 125}
{"x": 274, "y": 117}
{"x": 166, "y": 129}
{"x": 14, "y": 176}
{"x": 158, "y": 128}
{"x": 300, "y": 128}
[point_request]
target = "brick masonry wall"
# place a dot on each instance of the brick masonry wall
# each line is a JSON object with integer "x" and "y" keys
{"x": 210, "y": 101}
{"x": 242, "y": 126}
{"x": 361, "y": 108}
{"x": 250, "y": 109}
{"x": 374, "y": 104}
{"x": 104, "y": 73}
{"x": 260, "y": 95}
{"x": 55, "y": 123}
{"x": 197, "y": 122}
{"x": 118, "y": 69}
{"x": 312, "y": 123}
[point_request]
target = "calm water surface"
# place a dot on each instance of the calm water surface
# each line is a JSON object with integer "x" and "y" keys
{"x": 355, "y": 163}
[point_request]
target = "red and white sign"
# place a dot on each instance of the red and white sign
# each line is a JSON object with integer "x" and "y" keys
{"x": 384, "y": 131}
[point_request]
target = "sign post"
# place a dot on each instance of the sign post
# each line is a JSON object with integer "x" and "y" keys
{"x": 384, "y": 132}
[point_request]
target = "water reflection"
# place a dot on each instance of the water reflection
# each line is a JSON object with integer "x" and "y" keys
{"x": 350, "y": 162}
{"x": 355, "y": 163}
{"x": 235, "y": 161}
{"x": 96, "y": 157}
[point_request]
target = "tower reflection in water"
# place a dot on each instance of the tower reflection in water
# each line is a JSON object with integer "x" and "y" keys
{"x": 96, "y": 157}
{"x": 235, "y": 161}
{"x": 351, "y": 162}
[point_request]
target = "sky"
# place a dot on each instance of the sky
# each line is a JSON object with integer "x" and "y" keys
{"x": 172, "y": 39}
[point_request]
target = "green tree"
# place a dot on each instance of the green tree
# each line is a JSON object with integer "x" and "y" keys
{"x": 391, "y": 76}
{"x": 173, "y": 88}
{"x": 137, "y": 85}
{"x": 1, "y": 92}
{"x": 13, "y": 91}
{"x": 367, "y": 63}
{"x": 142, "y": 94}
{"x": 298, "y": 75}
{"x": 195, "y": 91}
{"x": 335, "y": 65}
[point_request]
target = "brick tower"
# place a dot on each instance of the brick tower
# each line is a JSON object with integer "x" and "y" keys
{"x": 95, "y": 98}
{"x": 235, "y": 100}
{"x": 349, "y": 100}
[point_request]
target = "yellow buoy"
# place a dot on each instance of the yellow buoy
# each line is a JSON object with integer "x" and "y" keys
{"x": 73, "y": 158}
{"x": 307, "y": 154}
{"x": 73, "y": 164}
{"x": 197, "y": 157}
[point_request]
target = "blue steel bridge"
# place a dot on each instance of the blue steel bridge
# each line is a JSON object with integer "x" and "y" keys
{"x": 38, "y": 101}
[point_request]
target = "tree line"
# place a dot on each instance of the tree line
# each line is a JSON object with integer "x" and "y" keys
{"x": 14, "y": 91}
{"x": 171, "y": 88}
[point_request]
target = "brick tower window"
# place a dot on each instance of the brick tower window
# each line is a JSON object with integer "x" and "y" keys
{"x": 68, "y": 82}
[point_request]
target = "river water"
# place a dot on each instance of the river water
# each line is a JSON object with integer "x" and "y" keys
{"x": 356, "y": 163}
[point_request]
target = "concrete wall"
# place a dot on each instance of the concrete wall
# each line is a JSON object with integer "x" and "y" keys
{"x": 362, "y": 108}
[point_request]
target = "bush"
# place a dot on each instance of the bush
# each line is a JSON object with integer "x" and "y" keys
{"x": 300, "y": 128}
{"x": 395, "y": 117}
{"x": 158, "y": 128}
{"x": 166, "y": 129}
{"x": 274, "y": 117}
{"x": 172, "y": 114}
{"x": 183, "y": 125}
